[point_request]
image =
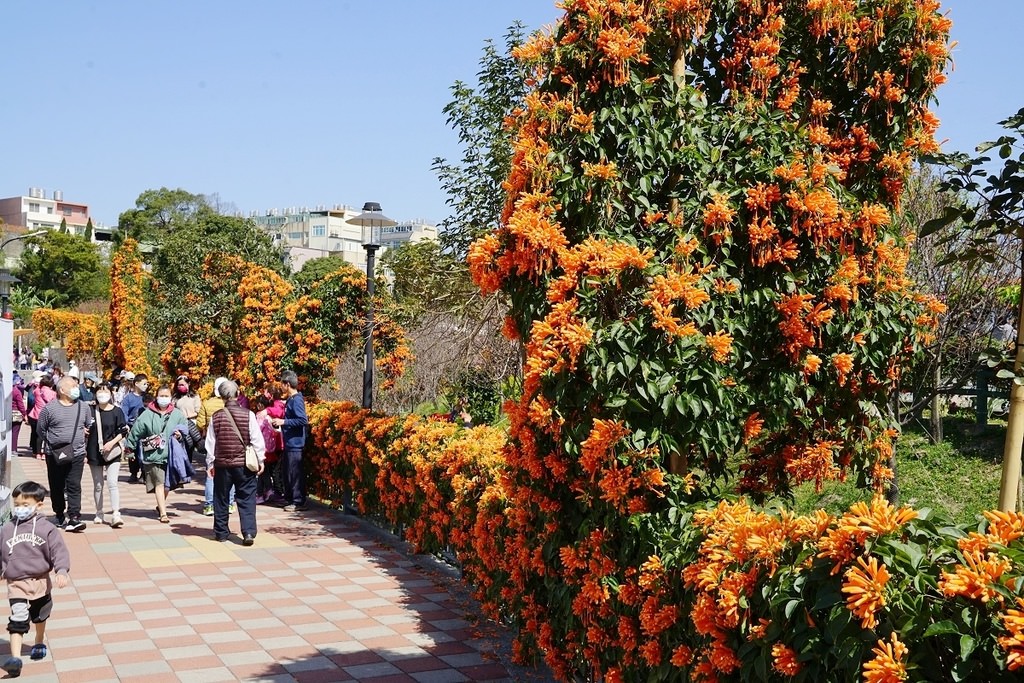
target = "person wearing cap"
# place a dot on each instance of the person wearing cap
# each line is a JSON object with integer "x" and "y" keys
{"x": 125, "y": 379}
{"x": 207, "y": 410}
{"x": 73, "y": 370}
{"x": 87, "y": 388}
{"x": 132, "y": 405}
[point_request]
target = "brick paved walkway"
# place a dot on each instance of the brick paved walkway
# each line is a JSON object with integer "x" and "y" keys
{"x": 318, "y": 598}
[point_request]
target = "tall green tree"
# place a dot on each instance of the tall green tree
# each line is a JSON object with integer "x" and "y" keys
{"x": 63, "y": 268}
{"x": 316, "y": 269}
{"x": 64, "y": 225}
{"x": 178, "y": 264}
{"x": 474, "y": 183}
{"x": 88, "y": 231}
{"x": 161, "y": 212}
{"x": 426, "y": 279}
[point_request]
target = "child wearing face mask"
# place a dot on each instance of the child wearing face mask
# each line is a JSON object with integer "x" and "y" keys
{"x": 104, "y": 457}
{"x": 30, "y": 548}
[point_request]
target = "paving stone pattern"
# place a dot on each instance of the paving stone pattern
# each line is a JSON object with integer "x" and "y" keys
{"x": 320, "y": 597}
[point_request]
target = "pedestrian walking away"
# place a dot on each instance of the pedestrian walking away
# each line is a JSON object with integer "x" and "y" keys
{"x": 231, "y": 431}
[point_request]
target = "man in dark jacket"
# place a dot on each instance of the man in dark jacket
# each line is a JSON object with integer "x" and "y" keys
{"x": 293, "y": 429}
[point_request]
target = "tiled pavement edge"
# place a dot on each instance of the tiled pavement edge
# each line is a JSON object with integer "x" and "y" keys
{"x": 320, "y": 597}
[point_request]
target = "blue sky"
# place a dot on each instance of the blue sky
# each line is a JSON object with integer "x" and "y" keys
{"x": 273, "y": 104}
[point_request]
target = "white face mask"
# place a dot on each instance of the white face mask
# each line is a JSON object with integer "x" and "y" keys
{"x": 163, "y": 401}
{"x": 103, "y": 397}
{"x": 23, "y": 512}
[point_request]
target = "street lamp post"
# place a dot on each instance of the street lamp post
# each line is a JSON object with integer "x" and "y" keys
{"x": 372, "y": 221}
{"x": 6, "y": 280}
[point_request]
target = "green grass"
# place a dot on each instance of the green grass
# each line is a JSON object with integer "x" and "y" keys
{"x": 959, "y": 477}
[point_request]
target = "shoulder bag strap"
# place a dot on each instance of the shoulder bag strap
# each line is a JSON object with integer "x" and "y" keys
{"x": 234, "y": 426}
{"x": 99, "y": 432}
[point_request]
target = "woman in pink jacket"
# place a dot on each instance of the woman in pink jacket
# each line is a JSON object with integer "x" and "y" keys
{"x": 42, "y": 394}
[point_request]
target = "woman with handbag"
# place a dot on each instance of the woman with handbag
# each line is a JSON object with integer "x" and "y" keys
{"x": 155, "y": 427}
{"x": 103, "y": 452}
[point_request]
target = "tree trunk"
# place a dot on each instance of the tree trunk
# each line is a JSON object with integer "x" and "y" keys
{"x": 1015, "y": 421}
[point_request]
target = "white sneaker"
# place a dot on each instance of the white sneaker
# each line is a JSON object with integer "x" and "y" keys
{"x": 116, "y": 522}
{"x": 98, "y": 519}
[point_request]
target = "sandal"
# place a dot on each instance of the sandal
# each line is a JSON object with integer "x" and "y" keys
{"x": 38, "y": 652}
{"x": 165, "y": 519}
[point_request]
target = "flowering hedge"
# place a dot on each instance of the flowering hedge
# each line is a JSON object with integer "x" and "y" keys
{"x": 80, "y": 334}
{"x": 266, "y": 326}
{"x": 735, "y": 592}
{"x": 699, "y": 251}
{"x": 128, "y": 344}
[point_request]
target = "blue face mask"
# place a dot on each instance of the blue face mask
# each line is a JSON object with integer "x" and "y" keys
{"x": 163, "y": 401}
{"x": 23, "y": 512}
{"x": 75, "y": 394}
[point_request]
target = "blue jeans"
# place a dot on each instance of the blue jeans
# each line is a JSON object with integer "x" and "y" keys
{"x": 209, "y": 492}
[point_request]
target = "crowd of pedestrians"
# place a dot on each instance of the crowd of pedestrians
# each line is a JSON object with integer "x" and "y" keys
{"x": 251, "y": 453}
{"x": 77, "y": 419}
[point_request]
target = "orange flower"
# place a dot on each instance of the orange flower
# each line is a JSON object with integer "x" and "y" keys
{"x": 785, "y": 660}
{"x": 721, "y": 345}
{"x": 865, "y": 590}
{"x": 1013, "y": 621}
{"x": 887, "y": 666}
{"x": 843, "y": 363}
{"x": 811, "y": 364}
{"x": 976, "y": 579}
{"x": 602, "y": 171}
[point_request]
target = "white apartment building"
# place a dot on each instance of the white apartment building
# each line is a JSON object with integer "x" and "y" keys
{"x": 39, "y": 210}
{"x": 310, "y": 233}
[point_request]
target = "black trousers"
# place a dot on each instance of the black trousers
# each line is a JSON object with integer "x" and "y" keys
{"x": 65, "y": 479}
{"x": 33, "y": 439}
{"x": 293, "y": 476}
{"x": 244, "y": 482}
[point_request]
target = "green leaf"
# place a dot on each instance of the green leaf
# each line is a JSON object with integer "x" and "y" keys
{"x": 967, "y": 646}
{"x": 941, "y": 628}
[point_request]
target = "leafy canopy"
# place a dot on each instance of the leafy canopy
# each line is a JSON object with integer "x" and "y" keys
{"x": 474, "y": 183}
{"x": 63, "y": 269}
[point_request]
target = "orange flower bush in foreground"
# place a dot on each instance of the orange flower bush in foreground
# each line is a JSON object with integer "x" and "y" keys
{"x": 877, "y": 594}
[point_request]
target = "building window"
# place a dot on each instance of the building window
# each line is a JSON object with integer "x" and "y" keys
{"x": 33, "y": 207}
{"x": 49, "y": 209}
{"x": 66, "y": 210}
{"x": 295, "y": 235}
{"x": 319, "y": 230}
